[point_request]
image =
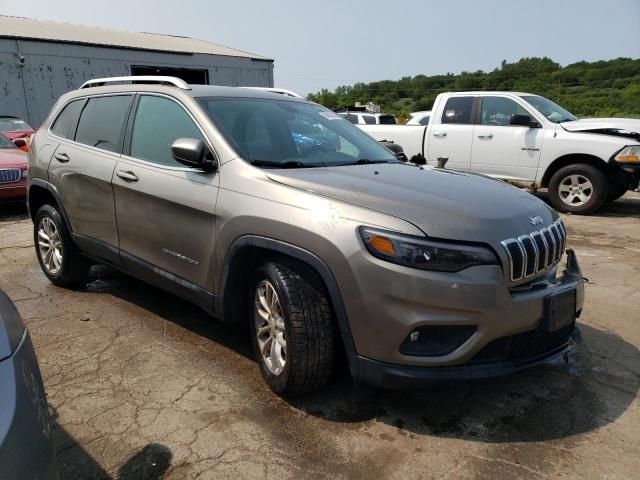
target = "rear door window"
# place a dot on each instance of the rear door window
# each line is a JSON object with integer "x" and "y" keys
{"x": 458, "y": 110}
{"x": 65, "y": 125}
{"x": 352, "y": 118}
{"x": 102, "y": 122}
{"x": 424, "y": 121}
{"x": 387, "y": 120}
{"x": 369, "y": 119}
{"x": 159, "y": 122}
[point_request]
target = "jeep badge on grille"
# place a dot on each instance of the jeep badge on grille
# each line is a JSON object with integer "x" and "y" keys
{"x": 536, "y": 220}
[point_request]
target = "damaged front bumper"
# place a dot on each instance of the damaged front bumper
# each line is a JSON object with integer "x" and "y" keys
{"x": 551, "y": 339}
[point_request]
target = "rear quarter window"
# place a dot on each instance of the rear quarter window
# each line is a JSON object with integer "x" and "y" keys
{"x": 387, "y": 120}
{"x": 65, "y": 124}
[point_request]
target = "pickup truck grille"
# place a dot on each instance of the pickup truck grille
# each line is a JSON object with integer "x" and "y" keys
{"x": 536, "y": 252}
{"x": 10, "y": 175}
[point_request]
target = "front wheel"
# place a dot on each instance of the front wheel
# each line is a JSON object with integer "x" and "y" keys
{"x": 292, "y": 328}
{"x": 579, "y": 188}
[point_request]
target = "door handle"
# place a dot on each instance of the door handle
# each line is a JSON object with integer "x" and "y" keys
{"x": 485, "y": 135}
{"x": 127, "y": 176}
{"x": 439, "y": 134}
{"x": 61, "y": 157}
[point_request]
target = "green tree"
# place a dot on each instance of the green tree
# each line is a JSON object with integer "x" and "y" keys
{"x": 610, "y": 87}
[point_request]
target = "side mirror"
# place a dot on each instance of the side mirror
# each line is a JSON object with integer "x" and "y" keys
{"x": 192, "y": 153}
{"x": 523, "y": 121}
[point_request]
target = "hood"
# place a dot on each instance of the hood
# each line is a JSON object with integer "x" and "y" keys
{"x": 13, "y": 157}
{"x": 606, "y": 124}
{"x": 444, "y": 204}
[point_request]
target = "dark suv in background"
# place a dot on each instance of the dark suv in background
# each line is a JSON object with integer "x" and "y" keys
{"x": 269, "y": 210}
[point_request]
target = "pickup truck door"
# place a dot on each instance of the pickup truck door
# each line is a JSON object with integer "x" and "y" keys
{"x": 451, "y": 135}
{"x": 503, "y": 150}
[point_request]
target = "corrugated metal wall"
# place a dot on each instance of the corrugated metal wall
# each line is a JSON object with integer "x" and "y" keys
{"x": 33, "y": 74}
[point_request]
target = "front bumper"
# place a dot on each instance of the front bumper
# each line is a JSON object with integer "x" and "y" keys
{"x": 632, "y": 169}
{"x": 393, "y": 376}
{"x": 26, "y": 445}
{"x": 510, "y": 335}
{"x": 14, "y": 192}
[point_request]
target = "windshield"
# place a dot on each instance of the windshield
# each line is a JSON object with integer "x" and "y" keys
{"x": 554, "y": 112}
{"x": 11, "y": 124}
{"x": 285, "y": 134}
{"x": 6, "y": 143}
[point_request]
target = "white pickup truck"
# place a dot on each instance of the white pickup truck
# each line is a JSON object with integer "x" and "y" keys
{"x": 529, "y": 141}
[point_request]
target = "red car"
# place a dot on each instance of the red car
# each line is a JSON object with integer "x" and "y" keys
{"x": 13, "y": 172}
{"x": 14, "y": 128}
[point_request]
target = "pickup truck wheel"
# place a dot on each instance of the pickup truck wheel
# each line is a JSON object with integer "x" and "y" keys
{"x": 579, "y": 189}
{"x": 57, "y": 255}
{"x": 292, "y": 328}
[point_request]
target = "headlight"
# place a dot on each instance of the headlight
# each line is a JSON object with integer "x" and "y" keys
{"x": 418, "y": 252}
{"x": 24, "y": 173}
{"x": 630, "y": 154}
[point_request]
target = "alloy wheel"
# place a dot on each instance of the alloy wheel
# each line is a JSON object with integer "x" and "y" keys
{"x": 575, "y": 190}
{"x": 49, "y": 246}
{"x": 270, "y": 328}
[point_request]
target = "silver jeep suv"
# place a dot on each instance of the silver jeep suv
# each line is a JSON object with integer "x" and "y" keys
{"x": 264, "y": 208}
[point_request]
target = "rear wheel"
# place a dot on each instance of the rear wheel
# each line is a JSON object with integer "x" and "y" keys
{"x": 292, "y": 328}
{"x": 57, "y": 255}
{"x": 579, "y": 189}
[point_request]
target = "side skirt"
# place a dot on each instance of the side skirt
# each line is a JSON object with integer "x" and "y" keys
{"x": 102, "y": 252}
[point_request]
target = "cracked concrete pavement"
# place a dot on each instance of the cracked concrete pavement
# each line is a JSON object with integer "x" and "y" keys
{"x": 143, "y": 385}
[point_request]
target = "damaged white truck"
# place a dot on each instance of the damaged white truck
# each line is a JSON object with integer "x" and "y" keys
{"x": 529, "y": 141}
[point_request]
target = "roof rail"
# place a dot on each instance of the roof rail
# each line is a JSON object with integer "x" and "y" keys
{"x": 281, "y": 91}
{"x": 176, "y": 82}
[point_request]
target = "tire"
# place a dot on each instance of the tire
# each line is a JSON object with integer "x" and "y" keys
{"x": 71, "y": 269}
{"x": 304, "y": 321}
{"x": 579, "y": 188}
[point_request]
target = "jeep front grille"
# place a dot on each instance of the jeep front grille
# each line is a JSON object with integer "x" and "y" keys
{"x": 10, "y": 175}
{"x": 536, "y": 252}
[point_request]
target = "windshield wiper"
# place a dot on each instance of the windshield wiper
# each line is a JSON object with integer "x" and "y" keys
{"x": 362, "y": 161}
{"x": 366, "y": 161}
{"x": 270, "y": 163}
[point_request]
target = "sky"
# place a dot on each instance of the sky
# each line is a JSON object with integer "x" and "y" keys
{"x": 326, "y": 43}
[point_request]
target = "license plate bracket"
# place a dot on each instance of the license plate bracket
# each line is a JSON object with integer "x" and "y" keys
{"x": 560, "y": 310}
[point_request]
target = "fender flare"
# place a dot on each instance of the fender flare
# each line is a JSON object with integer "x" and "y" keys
{"x": 571, "y": 158}
{"x": 306, "y": 257}
{"x": 38, "y": 182}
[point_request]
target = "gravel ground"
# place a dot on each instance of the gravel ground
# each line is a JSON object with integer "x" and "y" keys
{"x": 143, "y": 385}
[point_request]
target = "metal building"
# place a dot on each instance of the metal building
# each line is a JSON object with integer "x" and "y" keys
{"x": 39, "y": 61}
